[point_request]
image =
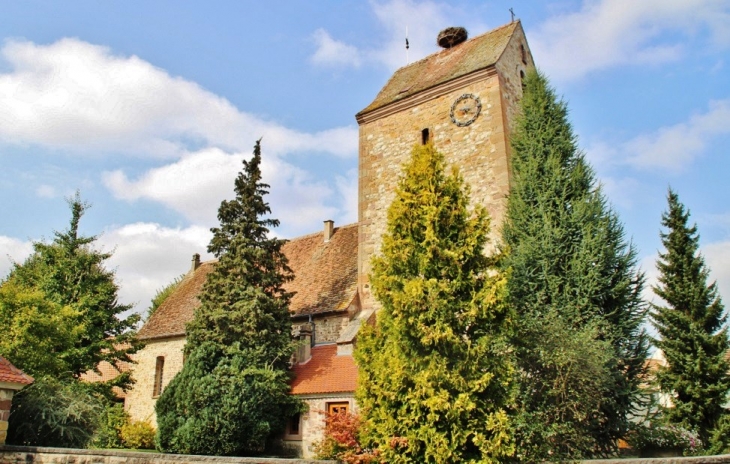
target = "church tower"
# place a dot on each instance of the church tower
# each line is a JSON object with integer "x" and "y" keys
{"x": 463, "y": 99}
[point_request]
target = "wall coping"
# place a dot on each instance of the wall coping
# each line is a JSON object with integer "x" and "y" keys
{"x": 157, "y": 458}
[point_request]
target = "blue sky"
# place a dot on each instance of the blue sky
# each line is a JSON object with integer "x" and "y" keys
{"x": 148, "y": 108}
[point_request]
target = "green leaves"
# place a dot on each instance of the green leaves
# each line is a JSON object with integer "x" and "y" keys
{"x": 231, "y": 396}
{"x": 435, "y": 373}
{"x": 692, "y": 328}
{"x": 573, "y": 274}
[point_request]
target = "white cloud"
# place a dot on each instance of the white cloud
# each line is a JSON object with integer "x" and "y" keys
{"x": 607, "y": 33}
{"x": 421, "y": 20}
{"x": 332, "y": 52}
{"x": 195, "y": 186}
{"x": 671, "y": 148}
{"x": 347, "y": 190}
{"x": 45, "y": 191}
{"x": 78, "y": 96}
{"x": 147, "y": 256}
{"x": 717, "y": 258}
{"x": 12, "y": 251}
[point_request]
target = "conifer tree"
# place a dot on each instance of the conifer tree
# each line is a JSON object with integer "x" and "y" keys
{"x": 691, "y": 326}
{"x": 70, "y": 273}
{"x": 572, "y": 275}
{"x": 231, "y": 395}
{"x": 435, "y": 374}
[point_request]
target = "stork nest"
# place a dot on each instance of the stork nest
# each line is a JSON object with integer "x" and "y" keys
{"x": 451, "y": 36}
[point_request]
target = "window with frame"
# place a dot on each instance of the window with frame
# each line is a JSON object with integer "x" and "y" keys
{"x": 294, "y": 428}
{"x": 338, "y": 407}
{"x": 159, "y": 371}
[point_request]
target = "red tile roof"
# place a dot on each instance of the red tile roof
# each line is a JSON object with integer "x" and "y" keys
{"x": 11, "y": 374}
{"x": 478, "y": 53}
{"x": 107, "y": 372}
{"x": 325, "y": 279}
{"x": 325, "y": 372}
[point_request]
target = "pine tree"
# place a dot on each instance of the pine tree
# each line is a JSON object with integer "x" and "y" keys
{"x": 571, "y": 272}
{"x": 70, "y": 273}
{"x": 435, "y": 373}
{"x": 691, "y": 326}
{"x": 231, "y": 396}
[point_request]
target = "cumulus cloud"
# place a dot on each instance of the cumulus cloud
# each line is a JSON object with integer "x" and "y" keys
{"x": 607, "y": 33}
{"x": 670, "y": 148}
{"x": 147, "y": 256}
{"x": 196, "y": 184}
{"x": 348, "y": 193}
{"x": 82, "y": 97}
{"x": 717, "y": 257}
{"x": 332, "y": 52}
{"x": 12, "y": 251}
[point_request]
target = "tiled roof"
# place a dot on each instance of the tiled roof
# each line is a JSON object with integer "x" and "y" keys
{"x": 325, "y": 279}
{"x": 325, "y": 372}
{"x": 11, "y": 374}
{"x": 475, "y": 54}
{"x": 177, "y": 309}
{"x": 325, "y": 274}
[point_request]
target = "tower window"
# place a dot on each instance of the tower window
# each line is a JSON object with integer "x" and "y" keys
{"x": 523, "y": 52}
{"x": 425, "y": 136}
{"x": 522, "y": 79}
{"x": 159, "y": 368}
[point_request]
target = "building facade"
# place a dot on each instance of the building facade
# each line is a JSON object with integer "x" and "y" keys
{"x": 462, "y": 99}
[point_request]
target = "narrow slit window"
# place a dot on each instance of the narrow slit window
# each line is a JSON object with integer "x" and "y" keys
{"x": 522, "y": 79}
{"x": 523, "y": 52}
{"x": 159, "y": 370}
{"x": 425, "y": 136}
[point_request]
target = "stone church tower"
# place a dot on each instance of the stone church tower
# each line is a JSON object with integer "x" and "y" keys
{"x": 463, "y": 99}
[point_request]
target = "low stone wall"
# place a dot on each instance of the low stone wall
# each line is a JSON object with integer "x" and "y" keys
{"x": 24, "y": 455}
{"x": 725, "y": 458}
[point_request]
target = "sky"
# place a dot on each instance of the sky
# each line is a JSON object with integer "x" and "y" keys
{"x": 148, "y": 108}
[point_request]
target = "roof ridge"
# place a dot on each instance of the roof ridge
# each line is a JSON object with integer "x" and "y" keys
{"x": 312, "y": 234}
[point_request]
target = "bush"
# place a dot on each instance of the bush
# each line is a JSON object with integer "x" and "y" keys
{"x": 657, "y": 436}
{"x": 109, "y": 433}
{"x": 51, "y": 412}
{"x": 138, "y": 435}
{"x": 342, "y": 440}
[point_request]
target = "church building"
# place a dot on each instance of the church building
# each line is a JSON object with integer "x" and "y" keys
{"x": 462, "y": 99}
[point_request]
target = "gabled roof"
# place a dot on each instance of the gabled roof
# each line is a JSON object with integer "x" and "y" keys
{"x": 107, "y": 372}
{"x": 325, "y": 279}
{"x": 478, "y": 53}
{"x": 325, "y": 372}
{"x": 11, "y": 374}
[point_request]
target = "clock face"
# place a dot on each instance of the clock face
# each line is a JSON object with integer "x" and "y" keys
{"x": 465, "y": 109}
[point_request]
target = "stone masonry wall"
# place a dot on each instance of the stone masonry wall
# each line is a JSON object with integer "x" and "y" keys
{"x": 312, "y": 425}
{"x": 6, "y": 401}
{"x": 23, "y": 455}
{"x": 140, "y": 403}
{"x": 480, "y": 151}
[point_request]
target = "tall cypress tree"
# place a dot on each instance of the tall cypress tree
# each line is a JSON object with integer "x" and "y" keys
{"x": 435, "y": 374}
{"x": 572, "y": 275}
{"x": 231, "y": 395}
{"x": 691, "y": 326}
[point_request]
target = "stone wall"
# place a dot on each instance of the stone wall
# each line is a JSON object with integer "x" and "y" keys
{"x": 140, "y": 401}
{"x": 312, "y": 423}
{"x": 326, "y": 329}
{"x": 6, "y": 401}
{"x": 18, "y": 455}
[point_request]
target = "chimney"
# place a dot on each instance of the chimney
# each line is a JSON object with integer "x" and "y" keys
{"x": 196, "y": 262}
{"x": 329, "y": 229}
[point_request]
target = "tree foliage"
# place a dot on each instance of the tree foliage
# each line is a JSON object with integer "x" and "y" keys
{"x": 70, "y": 274}
{"x": 573, "y": 273}
{"x": 232, "y": 394}
{"x": 691, "y": 326}
{"x": 435, "y": 372}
